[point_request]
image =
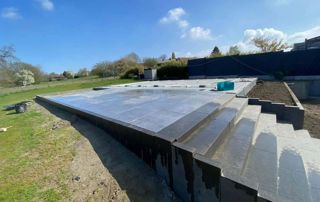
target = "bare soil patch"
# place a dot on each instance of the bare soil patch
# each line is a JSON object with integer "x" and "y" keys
{"x": 104, "y": 170}
{"x": 271, "y": 90}
{"x": 277, "y": 92}
{"x": 312, "y": 117}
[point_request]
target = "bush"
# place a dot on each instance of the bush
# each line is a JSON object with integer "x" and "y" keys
{"x": 131, "y": 73}
{"x": 25, "y": 77}
{"x": 173, "y": 70}
{"x": 68, "y": 74}
{"x": 82, "y": 73}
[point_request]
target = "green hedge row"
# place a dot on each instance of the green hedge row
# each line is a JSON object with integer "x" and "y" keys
{"x": 173, "y": 70}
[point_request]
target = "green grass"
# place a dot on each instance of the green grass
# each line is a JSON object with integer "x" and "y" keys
{"x": 34, "y": 159}
{"x": 10, "y": 96}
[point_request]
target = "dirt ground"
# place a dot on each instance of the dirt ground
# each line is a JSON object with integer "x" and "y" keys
{"x": 274, "y": 91}
{"x": 104, "y": 170}
{"x": 312, "y": 117}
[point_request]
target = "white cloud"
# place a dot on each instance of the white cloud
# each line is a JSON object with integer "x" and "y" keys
{"x": 198, "y": 33}
{"x": 199, "y": 54}
{"x": 270, "y": 33}
{"x": 11, "y": 13}
{"x": 183, "y": 23}
{"x": 46, "y": 4}
{"x": 301, "y": 36}
{"x": 246, "y": 43}
{"x": 173, "y": 15}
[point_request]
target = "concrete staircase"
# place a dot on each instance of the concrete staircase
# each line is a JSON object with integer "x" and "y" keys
{"x": 248, "y": 156}
{"x": 225, "y": 150}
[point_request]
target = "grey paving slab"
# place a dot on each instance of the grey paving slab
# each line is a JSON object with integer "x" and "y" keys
{"x": 206, "y": 136}
{"x": 151, "y": 109}
{"x": 232, "y": 156}
{"x": 198, "y": 124}
{"x": 241, "y": 84}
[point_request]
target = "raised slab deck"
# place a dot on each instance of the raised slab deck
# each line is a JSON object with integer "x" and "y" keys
{"x": 207, "y": 145}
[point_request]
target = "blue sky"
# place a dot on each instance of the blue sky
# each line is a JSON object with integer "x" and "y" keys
{"x": 70, "y": 34}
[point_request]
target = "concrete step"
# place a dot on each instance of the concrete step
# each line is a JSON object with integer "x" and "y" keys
{"x": 302, "y": 133}
{"x": 276, "y": 167}
{"x": 293, "y": 180}
{"x": 189, "y": 123}
{"x": 311, "y": 158}
{"x": 261, "y": 168}
{"x": 285, "y": 130}
{"x": 233, "y": 152}
{"x": 307, "y": 173}
{"x": 210, "y": 134}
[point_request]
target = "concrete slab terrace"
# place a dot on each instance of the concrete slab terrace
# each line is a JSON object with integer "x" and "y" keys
{"x": 150, "y": 109}
{"x": 242, "y": 85}
{"x": 207, "y": 145}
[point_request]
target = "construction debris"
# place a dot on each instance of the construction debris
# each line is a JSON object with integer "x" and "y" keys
{"x": 5, "y": 129}
{"x": 20, "y": 107}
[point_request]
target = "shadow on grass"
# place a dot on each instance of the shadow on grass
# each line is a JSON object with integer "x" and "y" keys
{"x": 12, "y": 113}
{"x": 134, "y": 176}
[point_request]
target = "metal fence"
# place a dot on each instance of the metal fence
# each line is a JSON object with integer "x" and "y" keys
{"x": 296, "y": 63}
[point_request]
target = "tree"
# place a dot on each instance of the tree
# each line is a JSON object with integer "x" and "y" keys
{"x": 68, "y": 74}
{"x": 268, "y": 45}
{"x": 131, "y": 57}
{"x": 83, "y": 72}
{"x": 38, "y": 75}
{"x": 24, "y": 77}
{"x": 6, "y": 54}
{"x": 234, "y": 50}
{"x": 150, "y": 62}
{"x": 173, "y": 56}
{"x": 163, "y": 57}
{"x": 104, "y": 69}
{"x": 215, "y": 52}
{"x": 7, "y": 70}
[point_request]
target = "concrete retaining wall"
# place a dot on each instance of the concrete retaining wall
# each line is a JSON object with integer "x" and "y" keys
{"x": 305, "y": 89}
{"x": 291, "y": 114}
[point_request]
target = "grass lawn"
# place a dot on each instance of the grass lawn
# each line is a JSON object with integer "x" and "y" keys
{"x": 34, "y": 158}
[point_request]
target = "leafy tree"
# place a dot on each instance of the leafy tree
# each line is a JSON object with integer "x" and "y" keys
{"x": 24, "y": 77}
{"x": 38, "y": 74}
{"x": 68, "y": 74}
{"x": 83, "y": 72}
{"x": 105, "y": 69}
{"x": 12, "y": 70}
{"x": 268, "y": 45}
{"x": 150, "y": 62}
{"x": 173, "y": 56}
{"x": 215, "y": 52}
{"x": 234, "y": 50}
{"x": 131, "y": 57}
